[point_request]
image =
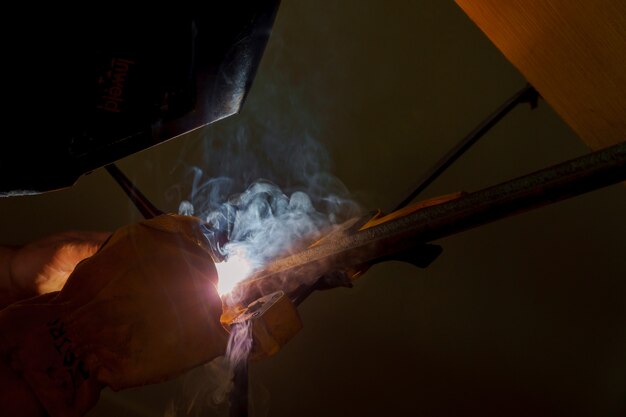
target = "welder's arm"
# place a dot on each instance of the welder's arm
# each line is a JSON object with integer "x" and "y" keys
{"x": 43, "y": 265}
{"x": 143, "y": 309}
{"x": 40, "y": 267}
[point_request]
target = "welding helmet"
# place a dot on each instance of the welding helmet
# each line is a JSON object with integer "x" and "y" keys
{"x": 82, "y": 92}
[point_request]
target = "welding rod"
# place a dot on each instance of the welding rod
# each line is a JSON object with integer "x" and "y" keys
{"x": 568, "y": 179}
{"x": 145, "y": 207}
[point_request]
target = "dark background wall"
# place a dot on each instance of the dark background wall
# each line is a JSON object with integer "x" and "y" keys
{"x": 525, "y": 316}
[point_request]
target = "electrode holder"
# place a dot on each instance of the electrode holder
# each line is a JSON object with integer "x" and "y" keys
{"x": 274, "y": 320}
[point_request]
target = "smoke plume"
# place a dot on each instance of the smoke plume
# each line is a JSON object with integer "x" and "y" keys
{"x": 264, "y": 183}
{"x": 206, "y": 389}
{"x": 253, "y": 219}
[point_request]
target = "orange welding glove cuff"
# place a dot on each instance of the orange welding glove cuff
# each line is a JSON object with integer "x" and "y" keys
{"x": 143, "y": 309}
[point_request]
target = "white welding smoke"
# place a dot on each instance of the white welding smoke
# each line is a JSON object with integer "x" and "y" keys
{"x": 265, "y": 185}
{"x": 206, "y": 389}
{"x": 253, "y": 221}
{"x": 237, "y": 353}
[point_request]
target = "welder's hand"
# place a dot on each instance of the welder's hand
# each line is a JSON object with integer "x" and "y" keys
{"x": 143, "y": 309}
{"x": 44, "y": 265}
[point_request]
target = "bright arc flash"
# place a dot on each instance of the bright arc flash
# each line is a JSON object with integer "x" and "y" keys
{"x": 232, "y": 271}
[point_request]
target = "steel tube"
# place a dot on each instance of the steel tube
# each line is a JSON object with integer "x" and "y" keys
{"x": 145, "y": 207}
{"x": 526, "y": 94}
{"x": 550, "y": 185}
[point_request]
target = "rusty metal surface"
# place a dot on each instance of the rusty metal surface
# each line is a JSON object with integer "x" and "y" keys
{"x": 550, "y": 185}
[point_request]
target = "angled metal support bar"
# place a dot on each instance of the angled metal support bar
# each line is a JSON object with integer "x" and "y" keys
{"x": 145, "y": 207}
{"x": 526, "y": 95}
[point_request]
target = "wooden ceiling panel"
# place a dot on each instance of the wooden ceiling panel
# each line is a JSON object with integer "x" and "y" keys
{"x": 572, "y": 51}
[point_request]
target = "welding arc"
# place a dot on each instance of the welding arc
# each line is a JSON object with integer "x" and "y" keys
{"x": 145, "y": 207}
{"x": 526, "y": 95}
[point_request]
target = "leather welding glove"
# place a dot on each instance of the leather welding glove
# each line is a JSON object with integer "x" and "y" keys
{"x": 143, "y": 309}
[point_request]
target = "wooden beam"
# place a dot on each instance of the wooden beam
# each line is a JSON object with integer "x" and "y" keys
{"x": 572, "y": 51}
